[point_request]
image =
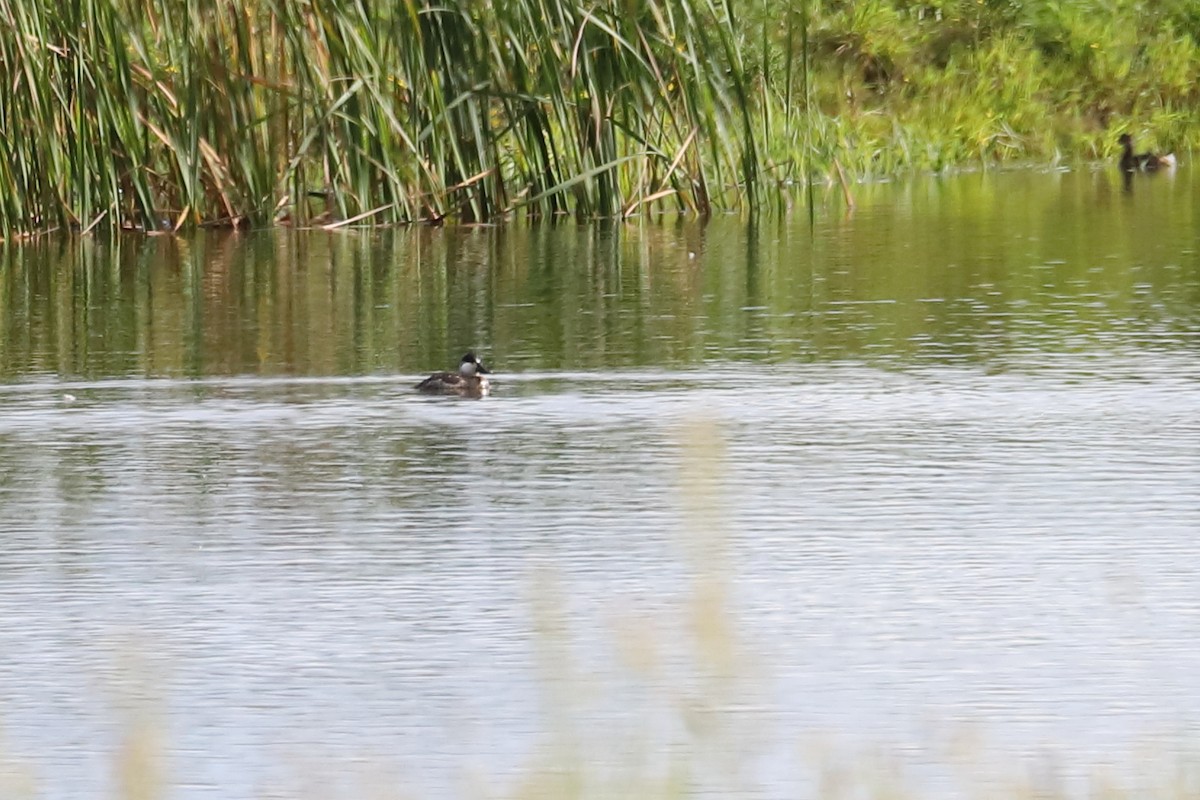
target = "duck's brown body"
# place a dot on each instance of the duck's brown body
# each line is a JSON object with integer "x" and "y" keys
{"x": 467, "y": 382}
{"x": 1141, "y": 162}
{"x": 453, "y": 383}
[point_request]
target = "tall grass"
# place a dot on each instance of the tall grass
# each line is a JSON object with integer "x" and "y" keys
{"x": 169, "y": 113}
{"x": 178, "y": 112}
{"x": 900, "y": 86}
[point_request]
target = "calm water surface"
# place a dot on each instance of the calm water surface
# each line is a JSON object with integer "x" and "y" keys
{"x": 910, "y": 499}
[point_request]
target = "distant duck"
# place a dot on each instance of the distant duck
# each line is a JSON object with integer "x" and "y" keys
{"x": 1143, "y": 162}
{"x": 467, "y": 382}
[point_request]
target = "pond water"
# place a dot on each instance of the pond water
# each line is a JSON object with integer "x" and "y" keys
{"x": 905, "y": 500}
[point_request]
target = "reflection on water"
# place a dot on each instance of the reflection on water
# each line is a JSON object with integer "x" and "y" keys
{"x": 917, "y": 490}
{"x": 974, "y": 269}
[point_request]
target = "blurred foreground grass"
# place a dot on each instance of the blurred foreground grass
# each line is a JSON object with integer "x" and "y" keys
{"x": 705, "y": 729}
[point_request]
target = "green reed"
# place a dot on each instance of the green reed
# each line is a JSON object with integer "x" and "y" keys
{"x": 899, "y": 86}
{"x": 178, "y": 112}
{"x": 170, "y": 113}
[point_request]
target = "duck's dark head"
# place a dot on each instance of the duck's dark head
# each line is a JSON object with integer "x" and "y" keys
{"x": 1125, "y": 140}
{"x": 470, "y": 365}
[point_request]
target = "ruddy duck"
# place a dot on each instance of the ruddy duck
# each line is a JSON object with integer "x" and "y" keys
{"x": 1145, "y": 162}
{"x": 468, "y": 381}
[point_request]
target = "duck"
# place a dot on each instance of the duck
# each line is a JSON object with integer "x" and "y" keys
{"x": 1144, "y": 162}
{"x": 467, "y": 382}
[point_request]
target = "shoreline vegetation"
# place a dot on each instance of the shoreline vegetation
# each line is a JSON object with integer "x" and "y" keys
{"x": 173, "y": 114}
